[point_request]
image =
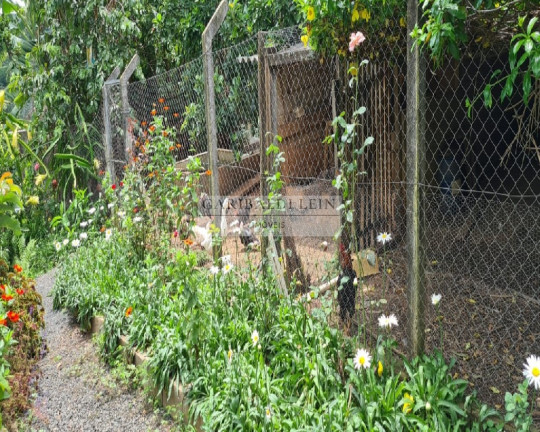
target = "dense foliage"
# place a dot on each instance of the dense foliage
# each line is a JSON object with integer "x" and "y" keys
{"x": 21, "y": 319}
{"x": 294, "y": 373}
{"x": 251, "y": 357}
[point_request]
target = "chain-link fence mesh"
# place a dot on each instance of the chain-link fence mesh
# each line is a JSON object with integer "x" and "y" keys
{"x": 480, "y": 193}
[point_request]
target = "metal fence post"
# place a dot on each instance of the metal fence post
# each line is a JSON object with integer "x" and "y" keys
{"x": 415, "y": 179}
{"x": 210, "y": 105}
{"x": 113, "y": 77}
{"x": 124, "y": 79}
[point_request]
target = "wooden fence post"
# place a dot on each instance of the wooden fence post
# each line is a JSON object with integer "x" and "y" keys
{"x": 107, "y": 138}
{"x": 210, "y": 106}
{"x": 263, "y": 127}
{"x": 415, "y": 178}
{"x": 124, "y": 79}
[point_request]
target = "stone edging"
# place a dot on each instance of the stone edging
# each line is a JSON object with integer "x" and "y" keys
{"x": 139, "y": 359}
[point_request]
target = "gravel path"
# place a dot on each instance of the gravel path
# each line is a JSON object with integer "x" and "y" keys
{"x": 76, "y": 392}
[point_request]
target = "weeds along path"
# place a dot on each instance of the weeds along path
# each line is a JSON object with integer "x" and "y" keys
{"x": 76, "y": 392}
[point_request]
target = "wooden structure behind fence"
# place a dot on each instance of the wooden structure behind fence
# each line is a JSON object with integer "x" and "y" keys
{"x": 380, "y": 200}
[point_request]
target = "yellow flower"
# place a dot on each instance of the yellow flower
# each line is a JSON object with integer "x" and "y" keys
{"x": 40, "y": 178}
{"x": 33, "y": 200}
{"x": 407, "y": 406}
{"x": 380, "y": 369}
{"x": 305, "y": 40}
{"x": 355, "y": 15}
{"x": 365, "y": 15}
{"x": 353, "y": 69}
{"x": 310, "y": 13}
{"x": 403, "y": 22}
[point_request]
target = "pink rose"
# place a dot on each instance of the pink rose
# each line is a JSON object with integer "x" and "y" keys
{"x": 356, "y": 39}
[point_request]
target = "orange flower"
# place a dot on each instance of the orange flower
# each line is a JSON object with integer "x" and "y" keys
{"x": 13, "y": 317}
{"x": 178, "y": 145}
{"x": 129, "y": 311}
{"x": 102, "y": 229}
{"x": 20, "y": 291}
{"x": 166, "y": 108}
{"x": 208, "y": 172}
{"x": 152, "y": 128}
{"x": 153, "y": 112}
{"x": 151, "y": 174}
{"x": 161, "y": 100}
{"x": 17, "y": 268}
{"x": 171, "y": 148}
{"x": 2, "y": 288}
{"x": 3, "y": 322}
{"x": 176, "y": 115}
{"x": 165, "y": 133}
{"x": 7, "y": 297}
{"x": 188, "y": 242}
{"x": 143, "y": 123}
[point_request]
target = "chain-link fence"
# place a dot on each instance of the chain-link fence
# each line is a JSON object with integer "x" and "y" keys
{"x": 480, "y": 194}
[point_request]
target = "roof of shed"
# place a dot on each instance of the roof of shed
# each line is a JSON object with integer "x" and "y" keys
{"x": 293, "y": 54}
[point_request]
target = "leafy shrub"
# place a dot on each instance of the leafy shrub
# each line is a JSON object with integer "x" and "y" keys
{"x": 21, "y": 319}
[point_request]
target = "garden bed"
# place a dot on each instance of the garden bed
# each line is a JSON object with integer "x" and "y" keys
{"x": 479, "y": 325}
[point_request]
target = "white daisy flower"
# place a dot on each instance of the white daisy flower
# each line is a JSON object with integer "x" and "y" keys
{"x": 108, "y": 234}
{"x": 92, "y": 211}
{"x": 65, "y": 242}
{"x": 57, "y": 246}
{"x": 532, "y": 371}
{"x": 214, "y": 270}
{"x": 435, "y": 299}
{"x": 255, "y": 337}
{"x": 110, "y": 205}
{"x": 76, "y": 243}
{"x": 268, "y": 413}
{"x": 101, "y": 208}
{"x": 227, "y": 268}
{"x": 384, "y": 237}
{"x": 137, "y": 219}
{"x": 121, "y": 213}
{"x": 83, "y": 236}
{"x": 362, "y": 359}
{"x": 83, "y": 224}
{"x": 388, "y": 321}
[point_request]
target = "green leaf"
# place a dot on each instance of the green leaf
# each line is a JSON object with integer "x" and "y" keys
{"x": 10, "y": 223}
{"x": 488, "y": 101}
{"x": 530, "y": 27}
{"x": 80, "y": 161}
